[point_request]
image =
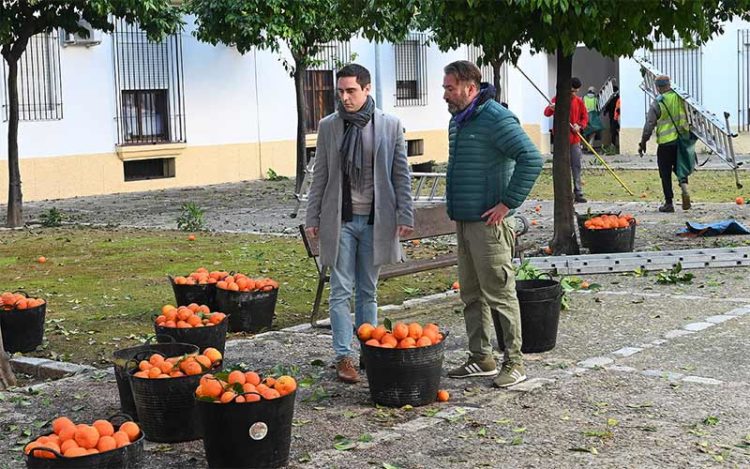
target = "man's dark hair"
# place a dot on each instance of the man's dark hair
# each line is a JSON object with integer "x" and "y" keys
{"x": 355, "y": 70}
{"x": 464, "y": 70}
{"x": 575, "y": 82}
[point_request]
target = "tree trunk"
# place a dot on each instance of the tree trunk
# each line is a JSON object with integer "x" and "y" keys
{"x": 299, "y": 91}
{"x": 7, "y": 378}
{"x": 496, "y": 68}
{"x": 564, "y": 240}
{"x": 15, "y": 197}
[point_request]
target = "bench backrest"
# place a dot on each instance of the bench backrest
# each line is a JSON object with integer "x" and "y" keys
{"x": 428, "y": 222}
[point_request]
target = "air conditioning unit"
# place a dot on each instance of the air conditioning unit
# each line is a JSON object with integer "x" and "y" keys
{"x": 74, "y": 39}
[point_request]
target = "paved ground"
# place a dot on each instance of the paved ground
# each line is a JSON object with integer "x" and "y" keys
{"x": 643, "y": 375}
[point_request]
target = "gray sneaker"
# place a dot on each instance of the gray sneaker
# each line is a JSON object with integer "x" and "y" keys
{"x": 512, "y": 373}
{"x": 473, "y": 368}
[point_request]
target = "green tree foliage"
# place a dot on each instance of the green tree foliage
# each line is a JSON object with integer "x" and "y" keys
{"x": 22, "y": 19}
{"x": 612, "y": 27}
{"x": 302, "y": 27}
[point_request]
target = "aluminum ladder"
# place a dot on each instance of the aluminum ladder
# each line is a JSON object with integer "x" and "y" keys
{"x": 717, "y": 136}
{"x": 606, "y": 94}
{"x": 427, "y": 188}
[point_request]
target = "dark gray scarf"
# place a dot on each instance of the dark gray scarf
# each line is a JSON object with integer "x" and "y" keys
{"x": 352, "y": 159}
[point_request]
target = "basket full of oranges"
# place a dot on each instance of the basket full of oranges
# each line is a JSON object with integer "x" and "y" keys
{"x": 606, "y": 233}
{"x": 22, "y": 321}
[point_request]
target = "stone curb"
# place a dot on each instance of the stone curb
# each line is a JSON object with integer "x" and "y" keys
{"x": 47, "y": 369}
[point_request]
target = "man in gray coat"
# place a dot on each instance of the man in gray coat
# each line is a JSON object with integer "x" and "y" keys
{"x": 358, "y": 205}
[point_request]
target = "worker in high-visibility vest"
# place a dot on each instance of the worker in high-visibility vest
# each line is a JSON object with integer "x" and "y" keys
{"x": 591, "y": 132}
{"x": 668, "y": 117}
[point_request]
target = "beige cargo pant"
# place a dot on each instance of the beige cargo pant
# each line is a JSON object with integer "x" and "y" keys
{"x": 488, "y": 283}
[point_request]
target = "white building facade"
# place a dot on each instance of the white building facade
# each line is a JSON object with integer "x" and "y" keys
{"x": 123, "y": 114}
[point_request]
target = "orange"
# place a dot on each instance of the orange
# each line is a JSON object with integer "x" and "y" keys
{"x": 424, "y": 341}
{"x": 247, "y": 387}
{"x": 429, "y": 334}
{"x": 252, "y": 378}
{"x": 364, "y": 332}
{"x": 106, "y": 443}
{"x": 407, "y": 342}
{"x": 285, "y": 385}
{"x": 86, "y": 436}
{"x": 154, "y": 372}
{"x": 75, "y": 452}
{"x": 239, "y": 399}
{"x": 236, "y": 376}
{"x": 212, "y": 354}
{"x": 61, "y": 422}
{"x": 203, "y": 360}
{"x": 131, "y": 429}
{"x": 443, "y": 396}
{"x": 547, "y": 250}
{"x": 41, "y": 259}
{"x": 415, "y": 331}
{"x": 66, "y": 445}
{"x": 373, "y": 343}
{"x": 166, "y": 367}
{"x": 378, "y": 333}
{"x": 271, "y": 394}
{"x": 387, "y": 340}
{"x": 456, "y": 286}
{"x": 92, "y": 451}
{"x": 739, "y": 200}
{"x": 227, "y": 397}
{"x": 400, "y": 331}
{"x": 584, "y": 285}
{"x": 104, "y": 428}
{"x": 121, "y": 438}
{"x": 252, "y": 398}
{"x": 141, "y": 374}
{"x": 144, "y": 365}
{"x": 191, "y": 237}
{"x": 212, "y": 388}
{"x": 67, "y": 433}
{"x": 32, "y": 445}
{"x": 194, "y": 320}
{"x": 192, "y": 368}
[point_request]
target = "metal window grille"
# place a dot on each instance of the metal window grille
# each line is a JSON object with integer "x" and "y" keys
{"x": 149, "y": 87}
{"x": 683, "y": 64}
{"x": 39, "y": 81}
{"x": 319, "y": 82}
{"x": 743, "y": 80}
{"x": 488, "y": 75}
{"x": 411, "y": 71}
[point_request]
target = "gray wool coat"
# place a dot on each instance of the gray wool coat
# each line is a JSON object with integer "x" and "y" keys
{"x": 392, "y": 185}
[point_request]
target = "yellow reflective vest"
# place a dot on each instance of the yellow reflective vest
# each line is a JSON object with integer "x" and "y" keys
{"x": 667, "y": 131}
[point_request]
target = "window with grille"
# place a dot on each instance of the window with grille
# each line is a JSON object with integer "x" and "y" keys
{"x": 682, "y": 63}
{"x": 319, "y": 82}
{"x": 150, "y": 87}
{"x": 39, "y": 81}
{"x": 743, "y": 80}
{"x": 488, "y": 74}
{"x": 411, "y": 71}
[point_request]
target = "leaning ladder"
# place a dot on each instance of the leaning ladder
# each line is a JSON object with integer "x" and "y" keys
{"x": 606, "y": 94}
{"x": 427, "y": 188}
{"x": 703, "y": 123}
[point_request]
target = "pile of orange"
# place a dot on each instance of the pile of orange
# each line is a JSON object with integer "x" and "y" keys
{"x": 606, "y": 222}
{"x": 201, "y": 276}
{"x": 159, "y": 367}
{"x": 402, "y": 336}
{"x": 9, "y": 301}
{"x": 241, "y": 282}
{"x": 192, "y": 315}
{"x": 243, "y": 386}
{"x": 73, "y": 440}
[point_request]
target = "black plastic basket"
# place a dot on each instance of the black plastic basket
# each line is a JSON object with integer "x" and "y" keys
{"x": 251, "y": 435}
{"x": 199, "y": 294}
{"x": 120, "y": 358}
{"x": 23, "y": 329}
{"x": 248, "y": 311}
{"x": 611, "y": 239}
{"x": 581, "y": 218}
{"x": 540, "y": 301}
{"x": 202, "y": 337}
{"x": 398, "y": 377}
{"x": 166, "y": 407}
{"x": 129, "y": 456}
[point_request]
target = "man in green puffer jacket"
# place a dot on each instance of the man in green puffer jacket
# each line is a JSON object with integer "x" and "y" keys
{"x": 492, "y": 167}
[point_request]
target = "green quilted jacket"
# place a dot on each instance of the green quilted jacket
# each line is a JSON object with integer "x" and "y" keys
{"x": 491, "y": 160}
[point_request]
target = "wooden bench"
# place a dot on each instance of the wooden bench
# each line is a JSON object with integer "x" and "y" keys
{"x": 429, "y": 222}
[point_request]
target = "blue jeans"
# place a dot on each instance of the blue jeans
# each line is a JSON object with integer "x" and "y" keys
{"x": 354, "y": 269}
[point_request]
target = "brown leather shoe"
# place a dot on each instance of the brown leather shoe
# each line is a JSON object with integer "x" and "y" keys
{"x": 346, "y": 370}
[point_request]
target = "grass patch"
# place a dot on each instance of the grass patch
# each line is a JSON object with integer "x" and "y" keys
{"x": 103, "y": 286}
{"x": 599, "y": 185}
